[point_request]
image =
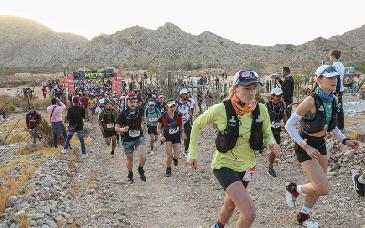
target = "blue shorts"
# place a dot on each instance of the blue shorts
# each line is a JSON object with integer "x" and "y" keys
{"x": 129, "y": 147}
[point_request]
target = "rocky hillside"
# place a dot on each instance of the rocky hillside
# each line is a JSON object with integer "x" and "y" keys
{"x": 30, "y": 44}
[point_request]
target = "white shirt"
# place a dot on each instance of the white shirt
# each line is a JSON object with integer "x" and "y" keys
{"x": 340, "y": 68}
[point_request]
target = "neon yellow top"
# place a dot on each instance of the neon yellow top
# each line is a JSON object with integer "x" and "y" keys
{"x": 241, "y": 157}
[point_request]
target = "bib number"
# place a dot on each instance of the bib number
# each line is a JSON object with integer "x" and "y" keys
{"x": 134, "y": 133}
{"x": 110, "y": 126}
{"x": 173, "y": 131}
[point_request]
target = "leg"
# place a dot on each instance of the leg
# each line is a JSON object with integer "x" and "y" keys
{"x": 240, "y": 197}
{"x": 68, "y": 139}
{"x": 54, "y": 135}
{"x": 63, "y": 131}
{"x": 168, "y": 148}
{"x": 318, "y": 186}
{"x": 114, "y": 142}
{"x": 177, "y": 150}
{"x": 130, "y": 161}
{"x": 187, "y": 128}
{"x": 107, "y": 141}
{"x": 82, "y": 141}
{"x": 225, "y": 213}
{"x": 142, "y": 155}
{"x": 33, "y": 132}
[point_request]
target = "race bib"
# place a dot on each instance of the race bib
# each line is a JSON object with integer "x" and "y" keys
{"x": 275, "y": 124}
{"x": 110, "y": 126}
{"x": 173, "y": 130}
{"x": 134, "y": 133}
{"x": 153, "y": 119}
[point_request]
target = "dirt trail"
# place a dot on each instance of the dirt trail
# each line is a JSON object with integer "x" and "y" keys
{"x": 193, "y": 198}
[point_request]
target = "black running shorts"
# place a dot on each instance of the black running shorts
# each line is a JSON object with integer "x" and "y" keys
{"x": 109, "y": 134}
{"x": 152, "y": 130}
{"x": 315, "y": 142}
{"x": 227, "y": 176}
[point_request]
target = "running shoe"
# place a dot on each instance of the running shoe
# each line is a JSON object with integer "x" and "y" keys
{"x": 359, "y": 187}
{"x": 214, "y": 226}
{"x": 130, "y": 178}
{"x": 176, "y": 161}
{"x": 271, "y": 171}
{"x": 141, "y": 173}
{"x": 291, "y": 194}
{"x": 112, "y": 153}
{"x": 168, "y": 172}
{"x": 84, "y": 156}
{"x": 305, "y": 220}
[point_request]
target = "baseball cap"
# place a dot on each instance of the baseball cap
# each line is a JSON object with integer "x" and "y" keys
{"x": 161, "y": 96}
{"x": 170, "y": 102}
{"x": 151, "y": 102}
{"x": 75, "y": 100}
{"x": 326, "y": 71}
{"x": 277, "y": 91}
{"x": 183, "y": 90}
{"x": 131, "y": 96}
{"x": 106, "y": 101}
{"x": 246, "y": 78}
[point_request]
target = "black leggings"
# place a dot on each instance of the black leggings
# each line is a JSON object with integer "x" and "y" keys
{"x": 187, "y": 130}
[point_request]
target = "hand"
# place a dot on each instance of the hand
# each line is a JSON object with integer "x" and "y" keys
{"x": 193, "y": 163}
{"x": 354, "y": 144}
{"x": 124, "y": 129}
{"x": 162, "y": 138}
{"x": 275, "y": 149}
{"x": 312, "y": 152}
{"x": 183, "y": 136}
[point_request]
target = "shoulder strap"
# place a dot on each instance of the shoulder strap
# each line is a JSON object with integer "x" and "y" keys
{"x": 317, "y": 100}
{"x": 256, "y": 112}
{"x": 50, "y": 118}
{"x": 230, "y": 111}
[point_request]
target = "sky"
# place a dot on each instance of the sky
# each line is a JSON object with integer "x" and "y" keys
{"x": 259, "y": 22}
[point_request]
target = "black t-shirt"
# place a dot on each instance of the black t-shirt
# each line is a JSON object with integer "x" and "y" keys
{"x": 75, "y": 114}
{"x": 133, "y": 121}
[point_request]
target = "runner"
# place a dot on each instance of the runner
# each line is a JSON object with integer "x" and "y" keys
{"x": 161, "y": 104}
{"x": 234, "y": 160}
{"x": 92, "y": 104}
{"x": 277, "y": 113}
{"x": 130, "y": 122}
{"x": 184, "y": 108}
{"x": 152, "y": 114}
{"x": 318, "y": 116}
{"x": 170, "y": 127}
{"x": 107, "y": 120}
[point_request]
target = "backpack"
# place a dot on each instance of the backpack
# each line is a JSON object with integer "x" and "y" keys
{"x": 226, "y": 140}
{"x": 164, "y": 120}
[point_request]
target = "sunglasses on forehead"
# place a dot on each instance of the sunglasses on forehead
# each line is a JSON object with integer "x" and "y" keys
{"x": 330, "y": 69}
{"x": 246, "y": 75}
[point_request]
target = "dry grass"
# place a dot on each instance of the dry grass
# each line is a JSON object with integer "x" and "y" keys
{"x": 30, "y": 149}
{"x": 22, "y": 102}
{"x": 23, "y": 221}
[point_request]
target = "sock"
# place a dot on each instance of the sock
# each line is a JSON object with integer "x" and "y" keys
{"x": 306, "y": 209}
{"x": 300, "y": 188}
{"x": 361, "y": 179}
{"x": 140, "y": 170}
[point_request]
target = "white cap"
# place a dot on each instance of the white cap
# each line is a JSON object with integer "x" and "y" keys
{"x": 183, "y": 90}
{"x": 326, "y": 71}
{"x": 277, "y": 91}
